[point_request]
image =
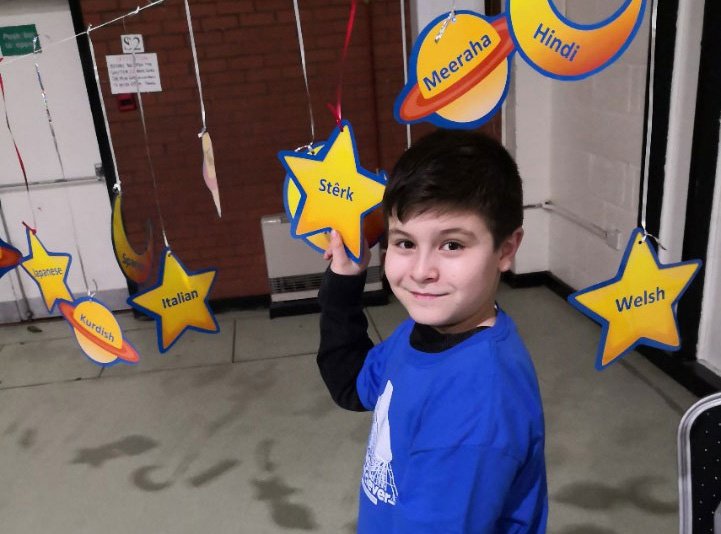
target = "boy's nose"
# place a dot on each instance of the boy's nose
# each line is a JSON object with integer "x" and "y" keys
{"x": 424, "y": 269}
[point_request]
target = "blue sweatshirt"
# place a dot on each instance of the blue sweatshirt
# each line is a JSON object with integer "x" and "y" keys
{"x": 457, "y": 440}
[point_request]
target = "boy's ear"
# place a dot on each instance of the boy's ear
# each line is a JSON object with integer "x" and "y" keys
{"x": 508, "y": 249}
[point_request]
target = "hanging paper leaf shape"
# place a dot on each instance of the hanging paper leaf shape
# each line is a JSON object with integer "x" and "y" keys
{"x": 135, "y": 267}
{"x": 9, "y": 257}
{"x": 98, "y": 332}
{"x": 178, "y": 301}
{"x": 209, "y": 175}
{"x": 49, "y": 270}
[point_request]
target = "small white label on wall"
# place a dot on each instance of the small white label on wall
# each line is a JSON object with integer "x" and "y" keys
{"x": 123, "y": 76}
{"x": 132, "y": 43}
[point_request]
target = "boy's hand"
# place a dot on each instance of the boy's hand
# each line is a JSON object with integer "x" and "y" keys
{"x": 340, "y": 262}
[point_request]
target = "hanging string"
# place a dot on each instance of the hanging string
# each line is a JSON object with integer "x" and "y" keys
{"x": 19, "y": 156}
{"x": 649, "y": 125}
{"x": 91, "y": 27}
{"x": 12, "y": 136}
{"x": 117, "y": 187}
{"x": 36, "y": 51}
{"x": 404, "y": 38}
{"x": 305, "y": 76}
{"x": 151, "y": 166}
{"x": 337, "y": 112}
{"x": 451, "y": 18}
{"x": 195, "y": 65}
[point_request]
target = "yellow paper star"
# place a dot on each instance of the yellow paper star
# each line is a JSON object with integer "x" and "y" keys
{"x": 336, "y": 192}
{"x": 638, "y": 305}
{"x": 178, "y": 302}
{"x": 49, "y": 270}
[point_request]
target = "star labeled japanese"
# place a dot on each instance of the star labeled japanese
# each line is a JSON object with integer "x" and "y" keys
{"x": 638, "y": 306}
{"x": 335, "y": 191}
{"x": 178, "y": 302}
{"x": 49, "y": 270}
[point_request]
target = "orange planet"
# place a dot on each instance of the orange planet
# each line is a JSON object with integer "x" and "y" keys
{"x": 98, "y": 332}
{"x": 414, "y": 106}
{"x": 9, "y": 257}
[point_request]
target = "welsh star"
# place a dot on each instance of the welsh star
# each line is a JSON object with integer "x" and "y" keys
{"x": 637, "y": 306}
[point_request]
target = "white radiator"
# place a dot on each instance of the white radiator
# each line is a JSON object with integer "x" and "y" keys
{"x": 294, "y": 269}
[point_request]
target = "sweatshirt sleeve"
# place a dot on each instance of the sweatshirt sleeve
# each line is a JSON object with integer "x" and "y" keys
{"x": 344, "y": 341}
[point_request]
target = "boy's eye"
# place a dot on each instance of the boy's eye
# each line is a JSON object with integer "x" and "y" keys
{"x": 404, "y": 243}
{"x": 452, "y": 245}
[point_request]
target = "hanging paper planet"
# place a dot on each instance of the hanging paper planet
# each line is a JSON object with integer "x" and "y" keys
{"x": 460, "y": 66}
{"x": 98, "y": 332}
{"x": 460, "y": 79}
{"x": 9, "y": 257}
{"x": 373, "y": 223}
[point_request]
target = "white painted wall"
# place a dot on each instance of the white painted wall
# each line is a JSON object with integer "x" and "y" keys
{"x": 424, "y": 11}
{"x": 596, "y": 149}
{"x": 527, "y": 127}
{"x": 709, "y": 334}
{"x": 72, "y": 218}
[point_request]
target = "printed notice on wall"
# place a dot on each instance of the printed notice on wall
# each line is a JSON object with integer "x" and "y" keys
{"x": 17, "y": 40}
{"x": 123, "y": 76}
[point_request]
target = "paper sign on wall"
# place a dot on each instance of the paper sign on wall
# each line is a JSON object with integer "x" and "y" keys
{"x": 17, "y": 40}
{"x": 132, "y": 43}
{"x": 122, "y": 74}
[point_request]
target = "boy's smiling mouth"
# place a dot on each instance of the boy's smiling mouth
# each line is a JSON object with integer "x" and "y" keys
{"x": 420, "y": 295}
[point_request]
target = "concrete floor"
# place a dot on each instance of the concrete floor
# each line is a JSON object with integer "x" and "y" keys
{"x": 235, "y": 433}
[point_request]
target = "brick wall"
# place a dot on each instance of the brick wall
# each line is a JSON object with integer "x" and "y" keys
{"x": 256, "y": 105}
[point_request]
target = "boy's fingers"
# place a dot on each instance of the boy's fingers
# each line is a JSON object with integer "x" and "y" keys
{"x": 336, "y": 245}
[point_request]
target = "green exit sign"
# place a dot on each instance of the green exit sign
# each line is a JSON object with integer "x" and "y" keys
{"x": 18, "y": 40}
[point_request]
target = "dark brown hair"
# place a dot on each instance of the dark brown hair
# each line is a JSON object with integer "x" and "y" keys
{"x": 458, "y": 170}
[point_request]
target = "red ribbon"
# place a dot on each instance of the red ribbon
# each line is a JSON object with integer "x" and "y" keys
{"x": 33, "y": 230}
{"x": 7, "y": 120}
{"x": 336, "y": 110}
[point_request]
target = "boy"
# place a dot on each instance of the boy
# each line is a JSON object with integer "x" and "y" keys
{"x": 457, "y": 439}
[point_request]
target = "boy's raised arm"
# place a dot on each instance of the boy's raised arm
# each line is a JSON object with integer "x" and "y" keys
{"x": 344, "y": 341}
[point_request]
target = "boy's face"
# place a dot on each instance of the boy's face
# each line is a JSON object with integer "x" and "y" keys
{"x": 444, "y": 269}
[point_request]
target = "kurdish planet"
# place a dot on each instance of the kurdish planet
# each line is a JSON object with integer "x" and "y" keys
{"x": 181, "y": 297}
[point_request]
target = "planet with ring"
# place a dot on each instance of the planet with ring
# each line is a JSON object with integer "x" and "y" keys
{"x": 98, "y": 332}
{"x": 462, "y": 67}
{"x": 9, "y": 257}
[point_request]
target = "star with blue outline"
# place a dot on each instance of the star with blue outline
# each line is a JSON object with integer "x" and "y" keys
{"x": 178, "y": 302}
{"x": 49, "y": 270}
{"x": 638, "y": 306}
{"x": 336, "y": 192}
